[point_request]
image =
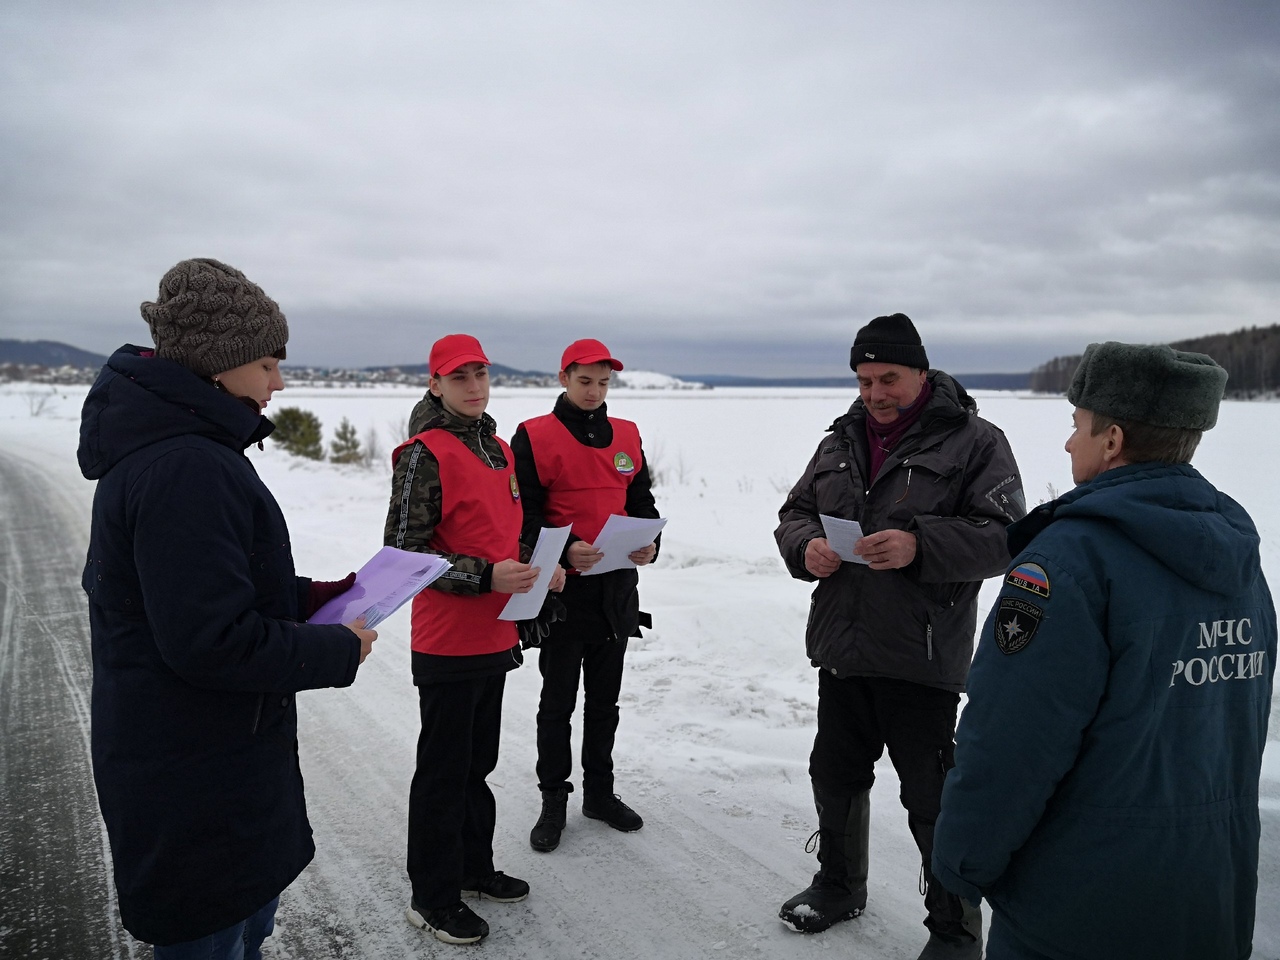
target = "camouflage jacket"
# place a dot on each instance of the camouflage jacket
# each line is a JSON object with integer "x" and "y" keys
{"x": 416, "y": 494}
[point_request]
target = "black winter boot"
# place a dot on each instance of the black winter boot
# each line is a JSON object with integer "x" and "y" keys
{"x": 965, "y": 944}
{"x": 839, "y": 888}
{"x": 955, "y": 924}
{"x": 545, "y": 835}
{"x": 610, "y": 808}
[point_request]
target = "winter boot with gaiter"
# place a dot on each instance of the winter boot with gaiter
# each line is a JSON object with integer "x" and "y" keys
{"x": 955, "y": 924}
{"x": 839, "y": 888}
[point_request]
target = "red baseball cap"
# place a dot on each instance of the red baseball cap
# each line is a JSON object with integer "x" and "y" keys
{"x": 451, "y": 352}
{"x": 588, "y": 352}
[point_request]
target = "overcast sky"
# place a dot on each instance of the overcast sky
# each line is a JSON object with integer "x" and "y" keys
{"x": 729, "y": 187}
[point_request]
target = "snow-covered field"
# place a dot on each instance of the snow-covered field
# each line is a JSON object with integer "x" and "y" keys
{"x": 718, "y": 702}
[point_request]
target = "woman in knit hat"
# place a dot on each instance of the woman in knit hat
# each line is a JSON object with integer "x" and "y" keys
{"x": 198, "y": 623}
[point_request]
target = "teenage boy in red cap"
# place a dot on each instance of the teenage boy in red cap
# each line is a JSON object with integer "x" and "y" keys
{"x": 454, "y": 493}
{"x": 577, "y": 466}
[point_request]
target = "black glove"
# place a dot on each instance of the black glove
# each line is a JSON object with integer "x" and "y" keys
{"x": 533, "y": 632}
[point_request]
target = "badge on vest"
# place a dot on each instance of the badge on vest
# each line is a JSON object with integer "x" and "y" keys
{"x": 515, "y": 489}
{"x": 1016, "y": 623}
{"x": 624, "y": 464}
{"x": 1030, "y": 577}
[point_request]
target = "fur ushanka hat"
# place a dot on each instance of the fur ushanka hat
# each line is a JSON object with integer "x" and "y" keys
{"x": 1149, "y": 383}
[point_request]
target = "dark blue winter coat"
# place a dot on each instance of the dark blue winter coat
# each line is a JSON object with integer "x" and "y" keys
{"x": 197, "y": 654}
{"x": 1105, "y": 793}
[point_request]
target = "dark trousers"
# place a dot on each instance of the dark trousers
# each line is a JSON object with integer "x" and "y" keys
{"x": 451, "y": 808}
{"x": 858, "y": 718}
{"x": 564, "y": 656}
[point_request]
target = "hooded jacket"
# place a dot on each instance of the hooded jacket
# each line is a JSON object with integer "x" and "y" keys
{"x": 197, "y": 653}
{"x": 1105, "y": 793}
{"x": 952, "y": 481}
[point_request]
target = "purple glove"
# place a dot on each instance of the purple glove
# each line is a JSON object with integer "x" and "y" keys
{"x": 322, "y": 591}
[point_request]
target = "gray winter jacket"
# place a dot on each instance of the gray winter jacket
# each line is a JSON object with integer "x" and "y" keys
{"x": 953, "y": 482}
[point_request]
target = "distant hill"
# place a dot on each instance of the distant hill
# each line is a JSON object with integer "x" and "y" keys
{"x": 1251, "y": 357}
{"x": 970, "y": 381}
{"x": 496, "y": 369}
{"x": 47, "y": 353}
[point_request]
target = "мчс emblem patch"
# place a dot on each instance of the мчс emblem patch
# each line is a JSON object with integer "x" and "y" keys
{"x": 1016, "y": 623}
{"x": 623, "y": 463}
{"x": 1030, "y": 577}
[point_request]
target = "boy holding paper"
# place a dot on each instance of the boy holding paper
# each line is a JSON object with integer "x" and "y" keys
{"x": 454, "y": 493}
{"x": 578, "y": 466}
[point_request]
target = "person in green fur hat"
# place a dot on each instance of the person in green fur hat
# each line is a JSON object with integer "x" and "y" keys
{"x": 1104, "y": 799}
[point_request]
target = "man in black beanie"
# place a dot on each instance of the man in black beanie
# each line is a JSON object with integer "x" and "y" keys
{"x": 1105, "y": 794}
{"x": 892, "y": 622}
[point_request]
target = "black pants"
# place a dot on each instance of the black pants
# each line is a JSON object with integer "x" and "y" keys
{"x": 581, "y": 648}
{"x": 451, "y": 808}
{"x": 858, "y": 718}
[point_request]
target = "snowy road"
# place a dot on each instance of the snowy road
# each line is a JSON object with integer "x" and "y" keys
{"x": 718, "y": 714}
{"x": 688, "y": 885}
{"x": 55, "y": 889}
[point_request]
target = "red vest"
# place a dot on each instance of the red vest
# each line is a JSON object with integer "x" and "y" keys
{"x": 585, "y": 485}
{"x": 480, "y": 516}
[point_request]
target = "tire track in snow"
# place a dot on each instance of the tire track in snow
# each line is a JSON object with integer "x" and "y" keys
{"x": 56, "y": 896}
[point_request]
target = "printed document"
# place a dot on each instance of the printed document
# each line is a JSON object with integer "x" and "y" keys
{"x": 546, "y": 557}
{"x": 622, "y": 536}
{"x": 387, "y": 582}
{"x": 842, "y": 535}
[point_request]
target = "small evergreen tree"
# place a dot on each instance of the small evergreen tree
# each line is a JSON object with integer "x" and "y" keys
{"x": 298, "y": 431}
{"x": 346, "y": 444}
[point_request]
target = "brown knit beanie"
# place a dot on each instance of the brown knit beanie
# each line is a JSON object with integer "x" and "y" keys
{"x": 210, "y": 317}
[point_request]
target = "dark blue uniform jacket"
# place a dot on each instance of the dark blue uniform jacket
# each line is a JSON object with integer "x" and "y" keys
{"x": 1105, "y": 793}
{"x": 197, "y": 654}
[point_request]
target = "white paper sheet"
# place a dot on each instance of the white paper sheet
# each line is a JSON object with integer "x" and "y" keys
{"x": 622, "y": 536}
{"x": 387, "y": 582}
{"x": 546, "y": 556}
{"x": 842, "y": 535}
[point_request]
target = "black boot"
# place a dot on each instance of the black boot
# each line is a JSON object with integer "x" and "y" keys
{"x": 955, "y": 924}
{"x": 839, "y": 888}
{"x": 964, "y": 943}
{"x": 545, "y": 835}
{"x": 610, "y": 808}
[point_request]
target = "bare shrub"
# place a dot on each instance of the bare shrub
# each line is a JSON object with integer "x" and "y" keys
{"x": 38, "y": 404}
{"x": 372, "y": 448}
{"x": 399, "y": 430}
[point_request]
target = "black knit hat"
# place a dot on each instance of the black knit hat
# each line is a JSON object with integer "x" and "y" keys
{"x": 1149, "y": 383}
{"x": 891, "y": 339}
{"x": 210, "y": 317}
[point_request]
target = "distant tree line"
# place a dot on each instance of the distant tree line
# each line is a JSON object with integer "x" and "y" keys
{"x": 1250, "y": 356}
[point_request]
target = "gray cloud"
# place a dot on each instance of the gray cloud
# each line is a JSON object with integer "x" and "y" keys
{"x": 716, "y": 186}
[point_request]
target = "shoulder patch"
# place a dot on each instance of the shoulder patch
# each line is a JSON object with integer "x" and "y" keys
{"x": 1030, "y": 577}
{"x": 1016, "y": 623}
